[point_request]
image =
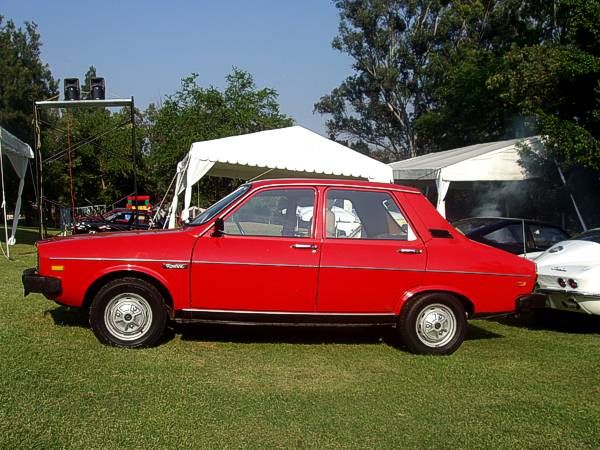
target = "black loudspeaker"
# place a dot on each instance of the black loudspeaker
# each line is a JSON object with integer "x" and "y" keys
{"x": 97, "y": 90}
{"x": 72, "y": 91}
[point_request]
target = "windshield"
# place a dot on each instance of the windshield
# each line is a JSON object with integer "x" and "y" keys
{"x": 590, "y": 235}
{"x": 217, "y": 207}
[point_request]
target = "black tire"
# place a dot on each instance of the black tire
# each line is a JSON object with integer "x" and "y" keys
{"x": 433, "y": 324}
{"x": 128, "y": 312}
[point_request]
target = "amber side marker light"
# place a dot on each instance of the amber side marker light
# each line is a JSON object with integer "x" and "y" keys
{"x": 57, "y": 268}
{"x": 521, "y": 283}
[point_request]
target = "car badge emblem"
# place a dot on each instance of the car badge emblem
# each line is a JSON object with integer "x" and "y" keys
{"x": 558, "y": 269}
{"x": 175, "y": 266}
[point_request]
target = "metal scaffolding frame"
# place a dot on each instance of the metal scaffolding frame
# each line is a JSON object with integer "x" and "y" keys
{"x": 55, "y": 104}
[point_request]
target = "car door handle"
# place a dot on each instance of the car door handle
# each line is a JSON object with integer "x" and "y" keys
{"x": 305, "y": 246}
{"x": 410, "y": 250}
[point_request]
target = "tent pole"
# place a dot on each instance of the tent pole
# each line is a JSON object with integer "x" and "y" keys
{"x": 37, "y": 153}
{"x": 562, "y": 177}
{"x": 135, "y": 187}
{"x": 4, "y": 203}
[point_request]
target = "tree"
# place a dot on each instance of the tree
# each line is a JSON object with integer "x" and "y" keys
{"x": 557, "y": 82}
{"x": 24, "y": 78}
{"x": 195, "y": 113}
{"x": 391, "y": 42}
{"x": 431, "y": 75}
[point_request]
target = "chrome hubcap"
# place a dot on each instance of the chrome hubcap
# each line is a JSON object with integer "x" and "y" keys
{"x": 128, "y": 316}
{"x": 436, "y": 325}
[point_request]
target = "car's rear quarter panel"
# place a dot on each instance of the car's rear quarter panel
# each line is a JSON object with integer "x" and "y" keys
{"x": 490, "y": 278}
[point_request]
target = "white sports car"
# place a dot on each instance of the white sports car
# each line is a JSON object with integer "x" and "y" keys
{"x": 569, "y": 273}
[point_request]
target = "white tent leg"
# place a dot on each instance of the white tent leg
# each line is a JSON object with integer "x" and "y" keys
{"x": 12, "y": 239}
{"x": 4, "y": 204}
{"x": 442, "y": 188}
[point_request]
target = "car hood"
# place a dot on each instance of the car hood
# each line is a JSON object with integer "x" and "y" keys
{"x": 153, "y": 244}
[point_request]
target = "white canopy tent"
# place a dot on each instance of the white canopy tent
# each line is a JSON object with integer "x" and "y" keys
{"x": 492, "y": 161}
{"x": 18, "y": 153}
{"x": 284, "y": 152}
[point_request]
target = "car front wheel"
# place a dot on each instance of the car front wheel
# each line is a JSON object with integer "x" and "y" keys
{"x": 433, "y": 323}
{"x": 128, "y": 312}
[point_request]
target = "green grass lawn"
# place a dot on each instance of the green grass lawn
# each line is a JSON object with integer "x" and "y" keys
{"x": 510, "y": 385}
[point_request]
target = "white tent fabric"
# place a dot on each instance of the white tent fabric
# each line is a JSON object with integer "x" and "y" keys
{"x": 285, "y": 152}
{"x": 19, "y": 153}
{"x": 492, "y": 161}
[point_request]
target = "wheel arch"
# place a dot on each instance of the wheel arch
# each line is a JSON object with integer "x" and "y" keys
{"x": 93, "y": 289}
{"x": 463, "y": 298}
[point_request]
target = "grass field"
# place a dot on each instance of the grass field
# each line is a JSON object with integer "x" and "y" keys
{"x": 510, "y": 385}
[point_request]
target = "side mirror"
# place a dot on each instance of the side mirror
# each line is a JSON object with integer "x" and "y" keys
{"x": 219, "y": 228}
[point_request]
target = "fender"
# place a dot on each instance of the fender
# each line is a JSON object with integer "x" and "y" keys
{"x": 429, "y": 288}
{"x": 179, "y": 291}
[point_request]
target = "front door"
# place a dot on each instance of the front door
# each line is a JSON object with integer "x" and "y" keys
{"x": 370, "y": 254}
{"x": 267, "y": 260}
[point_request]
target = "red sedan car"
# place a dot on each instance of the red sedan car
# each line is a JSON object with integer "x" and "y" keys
{"x": 289, "y": 251}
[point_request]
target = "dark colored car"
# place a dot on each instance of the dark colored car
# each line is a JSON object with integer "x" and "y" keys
{"x": 507, "y": 233}
{"x": 120, "y": 219}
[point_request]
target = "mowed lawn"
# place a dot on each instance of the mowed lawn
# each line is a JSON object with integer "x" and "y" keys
{"x": 511, "y": 384}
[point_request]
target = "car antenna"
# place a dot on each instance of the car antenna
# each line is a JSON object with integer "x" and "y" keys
{"x": 261, "y": 174}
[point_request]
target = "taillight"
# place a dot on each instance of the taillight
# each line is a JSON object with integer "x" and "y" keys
{"x": 572, "y": 283}
{"x": 562, "y": 283}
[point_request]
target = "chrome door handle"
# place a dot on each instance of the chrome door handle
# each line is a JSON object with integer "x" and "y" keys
{"x": 410, "y": 250}
{"x": 305, "y": 246}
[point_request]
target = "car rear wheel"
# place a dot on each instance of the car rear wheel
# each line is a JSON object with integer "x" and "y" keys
{"x": 128, "y": 312}
{"x": 433, "y": 323}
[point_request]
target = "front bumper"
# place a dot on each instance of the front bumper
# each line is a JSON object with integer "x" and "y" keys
{"x": 33, "y": 282}
{"x": 530, "y": 303}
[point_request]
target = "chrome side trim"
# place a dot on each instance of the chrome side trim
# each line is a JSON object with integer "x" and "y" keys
{"x": 465, "y": 272}
{"x": 235, "y": 263}
{"x": 395, "y": 269}
{"x": 72, "y": 258}
{"x": 244, "y": 311}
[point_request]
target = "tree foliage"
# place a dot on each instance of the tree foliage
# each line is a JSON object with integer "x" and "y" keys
{"x": 431, "y": 75}
{"x": 195, "y": 113}
{"x": 391, "y": 43}
{"x": 24, "y": 78}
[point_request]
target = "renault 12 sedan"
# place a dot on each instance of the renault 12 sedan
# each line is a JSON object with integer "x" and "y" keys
{"x": 289, "y": 252}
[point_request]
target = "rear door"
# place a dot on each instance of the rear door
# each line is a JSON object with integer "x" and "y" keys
{"x": 370, "y": 254}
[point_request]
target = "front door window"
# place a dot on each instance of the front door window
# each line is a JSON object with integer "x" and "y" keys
{"x": 274, "y": 213}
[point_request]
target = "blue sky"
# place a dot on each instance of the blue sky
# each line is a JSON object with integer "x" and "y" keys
{"x": 145, "y": 48}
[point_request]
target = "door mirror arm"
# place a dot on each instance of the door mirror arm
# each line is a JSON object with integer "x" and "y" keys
{"x": 219, "y": 228}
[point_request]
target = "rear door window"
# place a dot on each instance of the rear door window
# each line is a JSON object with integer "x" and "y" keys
{"x": 353, "y": 214}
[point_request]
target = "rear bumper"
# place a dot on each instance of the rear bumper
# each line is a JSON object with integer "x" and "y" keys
{"x": 33, "y": 282}
{"x": 530, "y": 302}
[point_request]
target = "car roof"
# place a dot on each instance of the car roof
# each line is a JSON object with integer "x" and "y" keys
{"x": 334, "y": 182}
